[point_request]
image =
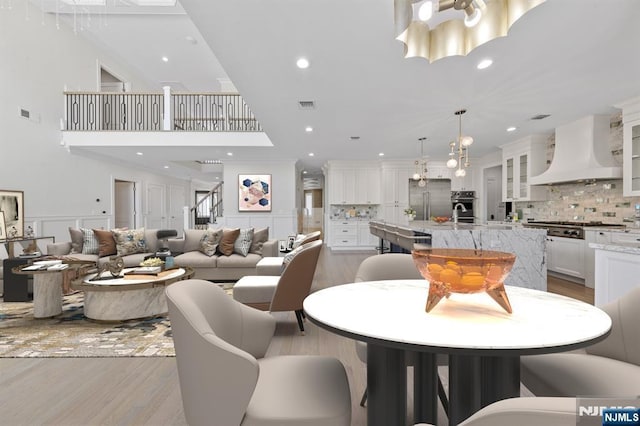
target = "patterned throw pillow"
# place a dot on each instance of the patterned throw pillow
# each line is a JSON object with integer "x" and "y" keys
{"x": 228, "y": 238}
{"x": 209, "y": 241}
{"x": 260, "y": 236}
{"x": 243, "y": 242}
{"x": 129, "y": 241}
{"x": 89, "y": 242}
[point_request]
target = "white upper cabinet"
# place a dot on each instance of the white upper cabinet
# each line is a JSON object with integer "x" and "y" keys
{"x": 631, "y": 147}
{"x": 353, "y": 183}
{"x": 368, "y": 186}
{"x": 521, "y": 160}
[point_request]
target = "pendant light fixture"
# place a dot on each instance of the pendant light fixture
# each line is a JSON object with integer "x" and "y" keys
{"x": 461, "y": 150}
{"x": 421, "y": 166}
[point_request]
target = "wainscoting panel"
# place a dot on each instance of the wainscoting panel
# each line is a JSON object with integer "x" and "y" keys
{"x": 280, "y": 226}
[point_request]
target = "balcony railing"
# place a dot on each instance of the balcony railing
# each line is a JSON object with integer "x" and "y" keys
{"x": 192, "y": 112}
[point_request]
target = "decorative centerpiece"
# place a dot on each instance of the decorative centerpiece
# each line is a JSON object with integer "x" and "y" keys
{"x": 115, "y": 266}
{"x": 410, "y": 213}
{"x": 440, "y": 219}
{"x": 153, "y": 262}
{"x": 464, "y": 271}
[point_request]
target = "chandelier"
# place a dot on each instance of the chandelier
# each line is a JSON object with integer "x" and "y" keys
{"x": 444, "y": 34}
{"x": 461, "y": 150}
{"x": 421, "y": 166}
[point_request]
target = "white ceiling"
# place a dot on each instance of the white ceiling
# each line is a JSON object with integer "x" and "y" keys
{"x": 566, "y": 58}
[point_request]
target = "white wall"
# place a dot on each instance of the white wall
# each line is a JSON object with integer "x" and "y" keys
{"x": 38, "y": 62}
{"x": 282, "y": 220}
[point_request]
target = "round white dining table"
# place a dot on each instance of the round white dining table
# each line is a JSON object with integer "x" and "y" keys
{"x": 483, "y": 342}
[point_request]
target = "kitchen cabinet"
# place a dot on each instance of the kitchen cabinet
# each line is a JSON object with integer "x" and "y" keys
{"x": 566, "y": 256}
{"x": 593, "y": 236}
{"x": 464, "y": 183}
{"x": 354, "y": 185}
{"x": 438, "y": 170}
{"x": 521, "y": 160}
{"x": 395, "y": 194}
{"x": 613, "y": 272}
{"x": 351, "y": 234}
{"x": 631, "y": 147}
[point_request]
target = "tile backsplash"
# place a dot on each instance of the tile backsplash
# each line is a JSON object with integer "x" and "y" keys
{"x": 600, "y": 202}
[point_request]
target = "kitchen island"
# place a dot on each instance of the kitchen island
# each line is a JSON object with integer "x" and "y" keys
{"x": 529, "y": 269}
{"x": 617, "y": 267}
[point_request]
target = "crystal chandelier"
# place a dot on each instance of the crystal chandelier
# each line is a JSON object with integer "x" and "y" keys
{"x": 459, "y": 26}
{"x": 421, "y": 166}
{"x": 461, "y": 150}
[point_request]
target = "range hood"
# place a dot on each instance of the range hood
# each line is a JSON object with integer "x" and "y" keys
{"x": 582, "y": 153}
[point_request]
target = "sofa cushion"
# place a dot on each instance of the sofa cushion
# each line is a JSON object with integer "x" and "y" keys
{"x": 192, "y": 239}
{"x": 89, "y": 242}
{"x": 76, "y": 240}
{"x": 238, "y": 261}
{"x": 229, "y": 237}
{"x": 80, "y": 256}
{"x": 130, "y": 241}
{"x": 210, "y": 241}
{"x": 196, "y": 259}
{"x": 242, "y": 245}
{"x": 151, "y": 240}
{"x": 260, "y": 236}
{"x": 106, "y": 242}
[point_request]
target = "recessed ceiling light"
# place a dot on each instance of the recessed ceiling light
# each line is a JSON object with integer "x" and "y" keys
{"x": 485, "y": 63}
{"x": 165, "y": 59}
{"x": 511, "y": 129}
{"x": 302, "y": 63}
{"x": 230, "y": 154}
{"x": 139, "y": 153}
{"x": 304, "y": 172}
{"x": 381, "y": 154}
{"x": 166, "y": 167}
{"x": 311, "y": 154}
{"x": 308, "y": 129}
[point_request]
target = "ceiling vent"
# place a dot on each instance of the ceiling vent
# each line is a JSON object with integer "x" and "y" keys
{"x": 306, "y": 104}
{"x": 540, "y": 116}
{"x": 355, "y": 138}
{"x": 209, "y": 161}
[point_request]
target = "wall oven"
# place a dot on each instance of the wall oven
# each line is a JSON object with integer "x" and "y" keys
{"x": 467, "y": 199}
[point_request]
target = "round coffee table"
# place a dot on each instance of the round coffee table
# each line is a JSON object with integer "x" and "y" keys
{"x": 127, "y": 297}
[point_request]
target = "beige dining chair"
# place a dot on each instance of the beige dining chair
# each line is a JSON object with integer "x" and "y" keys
{"x": 608, "y": 368}
{"x": 285, "y": 292}
{"x": 391, "y": 266}
{"x": 525, "y": 411}
{"x": 272, "y": 265}
{"x": 225, "y": 378}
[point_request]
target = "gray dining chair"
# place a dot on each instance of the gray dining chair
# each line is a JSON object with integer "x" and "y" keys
{"x": 225, "y": 378}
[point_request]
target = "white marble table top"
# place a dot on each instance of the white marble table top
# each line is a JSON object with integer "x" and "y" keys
{"x": 394, "y": 312}
{"x": 631, "y": 248}
{"x": 128, "y": 281}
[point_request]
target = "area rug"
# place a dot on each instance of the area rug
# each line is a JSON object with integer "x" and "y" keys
{"x": 72, "y": 335}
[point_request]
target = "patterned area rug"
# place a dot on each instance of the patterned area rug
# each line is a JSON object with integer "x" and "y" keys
{"x": 72, "y": 335}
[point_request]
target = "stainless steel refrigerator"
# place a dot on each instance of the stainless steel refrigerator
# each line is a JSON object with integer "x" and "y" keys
{"x": 434, "y": 199}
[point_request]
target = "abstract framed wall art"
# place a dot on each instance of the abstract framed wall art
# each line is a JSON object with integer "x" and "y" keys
{"x": 254, "y": 193}
{"x": 12, "y": 205}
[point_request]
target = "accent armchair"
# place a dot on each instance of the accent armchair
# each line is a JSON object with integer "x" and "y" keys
{"x": 224, "y": 378}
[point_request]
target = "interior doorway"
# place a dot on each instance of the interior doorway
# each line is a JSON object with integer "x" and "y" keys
{"x": 124, "y": 204}
{"x": 495, "y": 207}
{"x": 312, "y": 207}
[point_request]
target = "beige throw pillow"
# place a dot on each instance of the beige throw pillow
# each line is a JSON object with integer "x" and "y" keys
{"x": 260, "y": 236}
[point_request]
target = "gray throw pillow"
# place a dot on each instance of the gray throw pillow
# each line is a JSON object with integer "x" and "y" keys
{"x": 76, "y": 240}
{"x": 260, "y": 236}
{"x": 192, "y": 239}
{"x": 243, "y": 242}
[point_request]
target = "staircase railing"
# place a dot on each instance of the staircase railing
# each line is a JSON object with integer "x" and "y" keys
{"x": 207, "y": 209}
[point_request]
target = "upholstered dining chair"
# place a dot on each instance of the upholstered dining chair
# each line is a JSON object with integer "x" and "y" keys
{"x": 224, "y": 377}
{"x": 285, "y": 292}
{"x": 270, "y": 265}
{"x": 608, "y": 368}
{"x": 390, "y": 266}
{"x": 525, "y": 411}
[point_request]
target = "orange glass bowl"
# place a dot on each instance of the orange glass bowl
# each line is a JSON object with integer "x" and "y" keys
{"x": 464, "y": 271}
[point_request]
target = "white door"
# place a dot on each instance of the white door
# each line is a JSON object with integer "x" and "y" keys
{"x": 124, "y": 204}
{"x": 494, "y": 207}
{"x": 176, "y": 204}
{"x": 156, "y": 207}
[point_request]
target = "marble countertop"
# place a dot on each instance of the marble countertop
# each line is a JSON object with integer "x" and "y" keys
{"x": 394, "y": 312}
{"x": 630, "y": 248}
{"x": 422, "y": 225}
{"x": 627, "y": 230}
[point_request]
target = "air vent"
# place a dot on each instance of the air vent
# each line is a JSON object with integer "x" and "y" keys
{"x": 540, "y": 116}
{"x": 354, "y": 138}
{"x": 306, "y": 104}
{"x": 24, "y": 113}
{"x": 209, "y": 161}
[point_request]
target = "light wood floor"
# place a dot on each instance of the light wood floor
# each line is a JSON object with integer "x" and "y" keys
{"x": 145, "y": 391}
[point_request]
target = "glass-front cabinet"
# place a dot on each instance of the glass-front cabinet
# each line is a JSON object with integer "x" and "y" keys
{"x": 521, "y": 160}
{"x": 631, "y": 147}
